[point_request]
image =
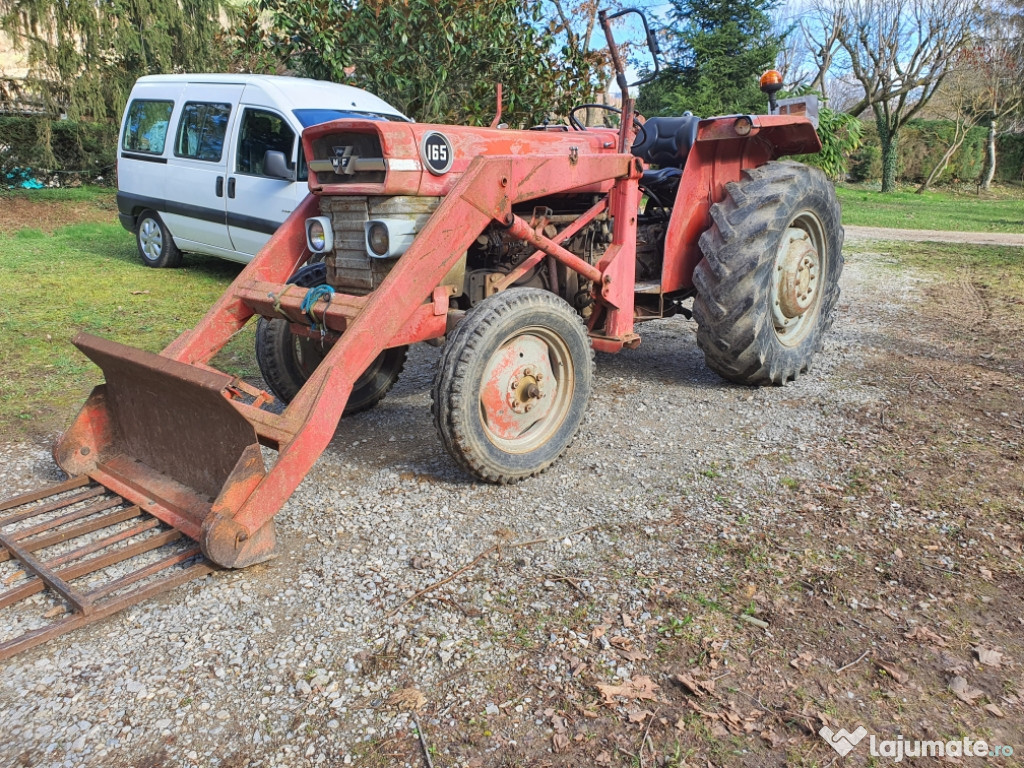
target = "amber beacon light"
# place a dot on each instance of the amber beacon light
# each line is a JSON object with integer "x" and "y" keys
{"x": 771, "y": 83}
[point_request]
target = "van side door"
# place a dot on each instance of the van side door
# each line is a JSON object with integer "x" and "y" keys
{"x": 196, "y": 210}
{"x": 261, "y": 196}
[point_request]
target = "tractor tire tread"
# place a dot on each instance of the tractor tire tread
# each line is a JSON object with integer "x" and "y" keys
{"x": 273, "y": 336}
{"x": 449, "y": 387}
{"x": 733, "y": 280}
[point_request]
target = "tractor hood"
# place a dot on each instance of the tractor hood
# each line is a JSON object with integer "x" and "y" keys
{"x": 371, "y": 157}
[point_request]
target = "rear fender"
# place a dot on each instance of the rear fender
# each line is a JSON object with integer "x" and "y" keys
{"x": 719, "y": 156}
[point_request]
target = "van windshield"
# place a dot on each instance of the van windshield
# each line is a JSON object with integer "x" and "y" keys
{"x": 310, "y": 117}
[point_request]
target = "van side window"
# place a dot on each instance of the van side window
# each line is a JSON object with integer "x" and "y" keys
{"x": 260, "y": 132}
{"x": 145, "y": 130}
{"x": 201, "y": 131}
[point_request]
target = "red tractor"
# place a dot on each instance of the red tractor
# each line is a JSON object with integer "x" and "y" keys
{"x": 522, "y": 251}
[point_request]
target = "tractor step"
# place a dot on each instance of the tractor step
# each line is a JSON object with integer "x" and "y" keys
{"x": 77, "y": 552}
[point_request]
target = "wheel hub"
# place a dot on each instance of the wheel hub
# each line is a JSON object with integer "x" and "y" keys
{"x": 151, "y": 238}
{"x": 796, "y": 277}
{"x": 524, "y": 391}
{"x": 520, "y": 387}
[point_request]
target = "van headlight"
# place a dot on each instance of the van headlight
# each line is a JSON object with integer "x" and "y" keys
{"x": 319, "y": 234}
{"x": 389, "y": 238}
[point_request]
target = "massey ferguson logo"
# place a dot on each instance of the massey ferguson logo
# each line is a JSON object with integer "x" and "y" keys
{"x": 342, "y": 160}
{"x": 436, "y": 153}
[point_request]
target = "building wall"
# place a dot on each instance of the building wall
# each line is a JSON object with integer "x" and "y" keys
{"x": 12, "y": 63}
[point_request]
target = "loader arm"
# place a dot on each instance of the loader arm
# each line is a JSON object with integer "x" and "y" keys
{"x": 234, "y": 522}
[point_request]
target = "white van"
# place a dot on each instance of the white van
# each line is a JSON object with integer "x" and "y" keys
{"x": 213, "y": 163}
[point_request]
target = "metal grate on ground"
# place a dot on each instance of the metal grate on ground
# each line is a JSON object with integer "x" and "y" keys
{"x": 75, "y": 553}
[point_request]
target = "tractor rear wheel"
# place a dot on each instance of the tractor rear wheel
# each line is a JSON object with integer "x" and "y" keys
{"x": 768, "y": 284}
{"x": 287, "y": 360}
{"x": 512, "y": 385}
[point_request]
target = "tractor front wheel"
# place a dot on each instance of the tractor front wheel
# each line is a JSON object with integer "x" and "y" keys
{"x": 769, "y": 281}
{"x": 287, "y": 360}
{"x": 512, "y": 385}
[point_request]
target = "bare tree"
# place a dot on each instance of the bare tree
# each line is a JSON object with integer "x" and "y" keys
{"x": 985, "y": 82}
{"x": 899, "y": 53}
{"x": 577, "y": 20}
{"x": 999, "y": 68}
{"x": 820, "y": 26}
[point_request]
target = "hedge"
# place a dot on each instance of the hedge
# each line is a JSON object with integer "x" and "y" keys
{"x": 922, "y": 144}
{"x": 78, "y": 150}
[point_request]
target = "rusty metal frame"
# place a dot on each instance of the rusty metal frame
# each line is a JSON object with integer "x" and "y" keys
{"x": 96, "y": 552}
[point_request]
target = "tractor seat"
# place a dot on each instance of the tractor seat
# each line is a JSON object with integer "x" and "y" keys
{"x": 664, "y": 183}
{"x": 667, "y": 142}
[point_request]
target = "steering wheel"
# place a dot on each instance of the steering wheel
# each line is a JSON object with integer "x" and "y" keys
{"x": 577, "y": 125}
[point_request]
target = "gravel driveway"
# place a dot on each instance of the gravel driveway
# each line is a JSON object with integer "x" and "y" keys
{"x": 304, "y": 662}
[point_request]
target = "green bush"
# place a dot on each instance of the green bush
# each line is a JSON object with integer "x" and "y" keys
{"x": 1010, "y": 157}
{"x": 922, "y": 144}
{"x": 78, "y": 151}
{"x": 866, "y": 162}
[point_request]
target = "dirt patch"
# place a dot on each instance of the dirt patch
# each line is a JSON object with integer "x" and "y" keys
{"x": 19, "y": 212}
{"x": 890, "y": 598}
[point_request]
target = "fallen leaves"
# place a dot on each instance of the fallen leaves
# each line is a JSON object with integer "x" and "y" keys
{"x": 925, "y": 635}
{"x": 772, "y": 738}
{"x": 408, "y": 698}
{"x": 624, "y": 647}
{"x": 696, "y": 687}
{"x": 892, "y": 669}
{"x": 560, "y": 742}
{"x": 637, "y": 715}
{"x": 802, "y": 660}
{"x": 642, "y": 688}
{"x": 963, "y": 691}
{"x": 989, "y": 657}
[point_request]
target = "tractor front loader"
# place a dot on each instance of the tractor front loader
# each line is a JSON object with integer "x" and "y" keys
{"x": 523, "y": 250}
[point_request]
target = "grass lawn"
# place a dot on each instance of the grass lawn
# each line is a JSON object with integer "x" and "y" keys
{"x": 1002, "y": 210}
{"x": 87, "y": 277}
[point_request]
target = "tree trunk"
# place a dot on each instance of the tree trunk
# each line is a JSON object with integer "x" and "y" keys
{"x": 990, "y": 157}
{"x": 958, "y": 139}
{"x": 890, "y": 153}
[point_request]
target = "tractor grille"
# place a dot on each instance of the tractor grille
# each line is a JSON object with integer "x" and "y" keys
{"x": 348, "y": 265}
{"x": 359, "y": 145}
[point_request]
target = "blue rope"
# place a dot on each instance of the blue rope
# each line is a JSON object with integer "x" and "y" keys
{"x": 312, "y": 297}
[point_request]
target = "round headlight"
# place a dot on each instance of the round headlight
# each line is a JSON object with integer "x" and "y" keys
{"x": 317, "y": 238}
{"x": 379, "y": 239}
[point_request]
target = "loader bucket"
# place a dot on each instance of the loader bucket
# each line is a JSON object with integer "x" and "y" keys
{"x": 163, "y": 435}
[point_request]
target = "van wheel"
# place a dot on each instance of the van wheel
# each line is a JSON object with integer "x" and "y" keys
{"x": 156, "y": 246}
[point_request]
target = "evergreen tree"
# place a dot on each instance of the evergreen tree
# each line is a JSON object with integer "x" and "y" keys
{"x": 85, "y": 55}
{"x": 716, "y": 51}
